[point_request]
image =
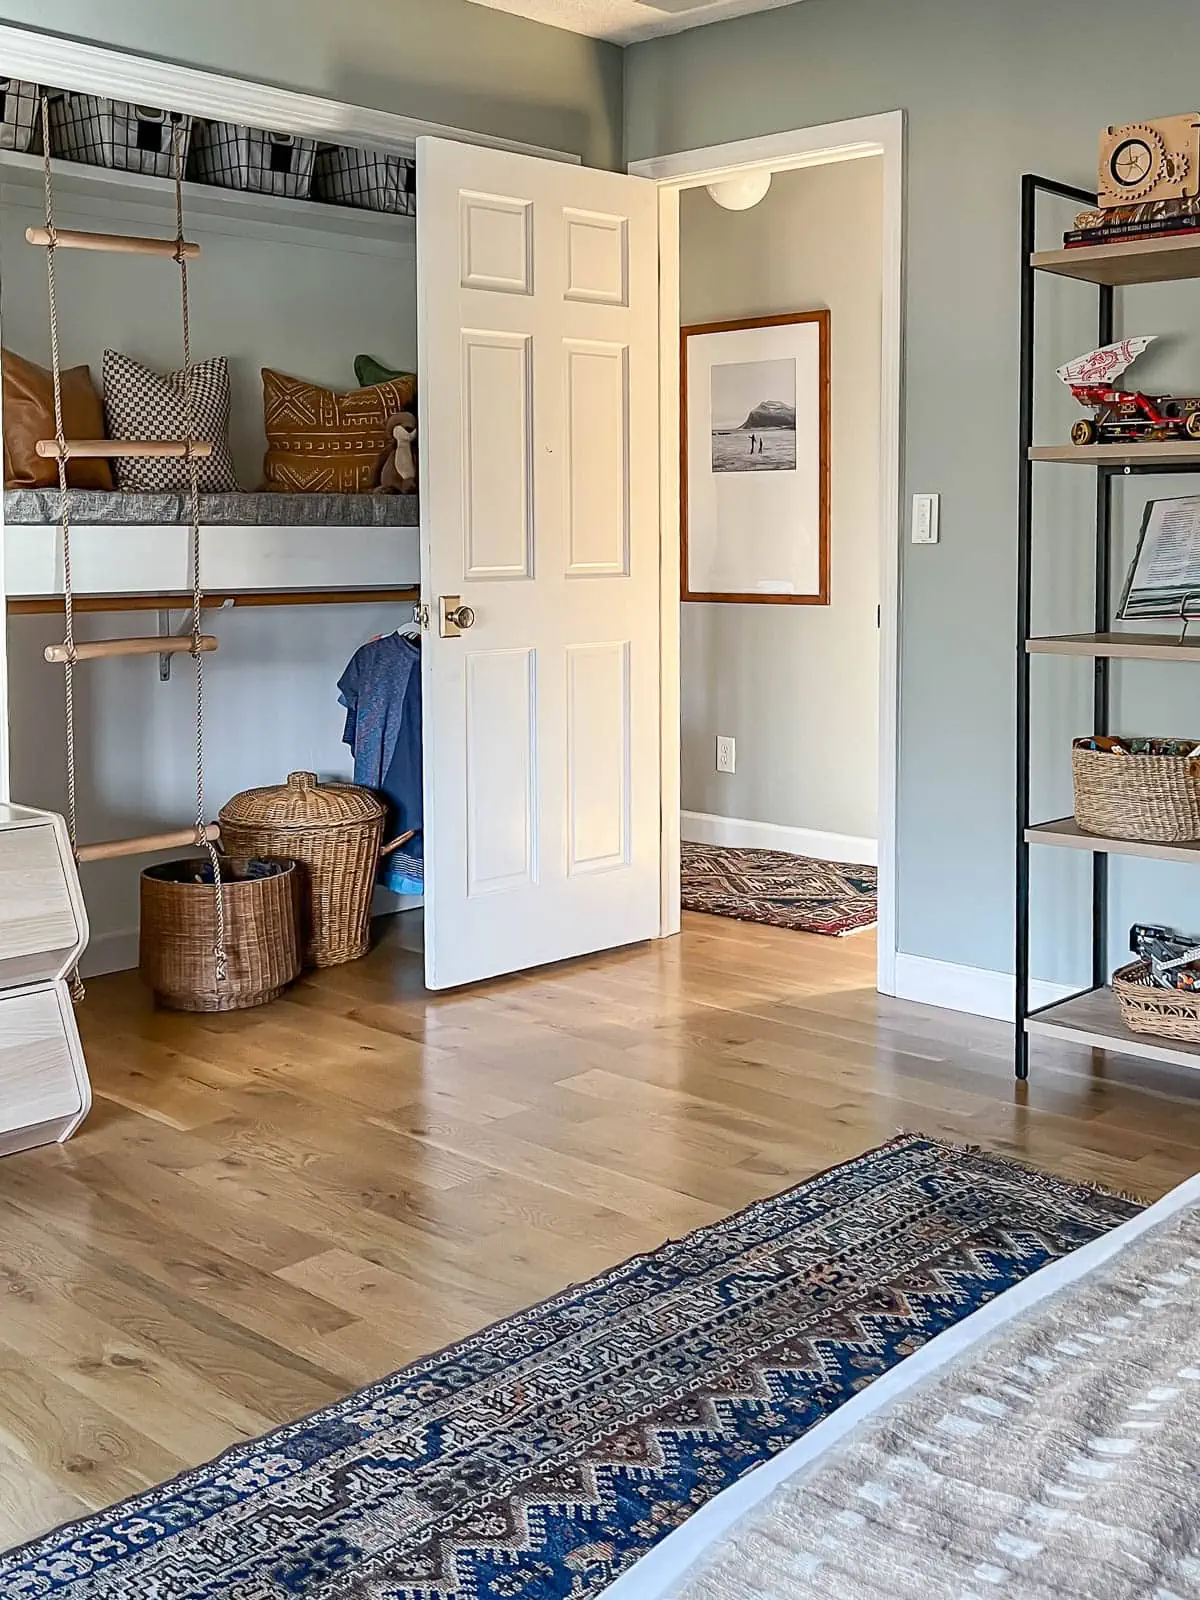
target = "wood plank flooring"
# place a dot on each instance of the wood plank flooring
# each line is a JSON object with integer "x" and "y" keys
{"x": 269, "y": 1210}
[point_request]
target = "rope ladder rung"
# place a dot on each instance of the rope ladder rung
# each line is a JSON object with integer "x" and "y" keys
{"x": 121, "y": 244}
{"x": 122, "y": 449}
{"x": 146, "y": 844}
{"x": 102, "y": 649}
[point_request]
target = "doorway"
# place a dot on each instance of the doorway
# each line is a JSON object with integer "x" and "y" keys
{"x": 808, "y": 690}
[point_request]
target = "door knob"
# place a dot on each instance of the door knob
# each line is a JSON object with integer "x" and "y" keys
{"x": 455, "y": 617}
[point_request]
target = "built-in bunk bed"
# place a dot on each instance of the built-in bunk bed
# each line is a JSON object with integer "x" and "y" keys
{"x": 306, "y": 308}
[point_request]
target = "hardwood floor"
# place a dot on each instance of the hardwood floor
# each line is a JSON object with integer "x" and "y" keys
{"x": 268, "y": 1210}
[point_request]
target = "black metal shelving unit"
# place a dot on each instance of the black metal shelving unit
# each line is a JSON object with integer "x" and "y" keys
{"x": 1091, "y": 1017}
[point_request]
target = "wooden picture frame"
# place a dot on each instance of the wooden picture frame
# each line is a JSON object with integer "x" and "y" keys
{"x": 806, "y": 582}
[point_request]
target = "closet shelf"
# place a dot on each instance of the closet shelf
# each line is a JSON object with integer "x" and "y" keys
{"x": 261, "y": 214}
{"x": 108, "y": 508}
{"x": 118, "y": 244}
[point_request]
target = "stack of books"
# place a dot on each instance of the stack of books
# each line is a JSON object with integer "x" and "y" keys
{"x": 1149, "y": 220}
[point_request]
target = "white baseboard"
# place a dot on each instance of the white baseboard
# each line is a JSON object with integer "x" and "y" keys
{"x": 977, "y": 990}
{"x": 110, "y": 952}
{"x": 738, "y": 833}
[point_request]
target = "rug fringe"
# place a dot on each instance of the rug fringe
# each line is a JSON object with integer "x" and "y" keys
{"x": 1023, "y": 1165}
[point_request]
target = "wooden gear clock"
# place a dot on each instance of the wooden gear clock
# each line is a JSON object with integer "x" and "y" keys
{"x": 1144, "y": 161}
{"x": 44, "y": 1089}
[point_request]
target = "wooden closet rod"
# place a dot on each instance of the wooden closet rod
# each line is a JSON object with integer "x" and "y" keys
{"x": 146, "y": 845}
{"x": 121, "y": 244}
{"x": 52, "y": 605}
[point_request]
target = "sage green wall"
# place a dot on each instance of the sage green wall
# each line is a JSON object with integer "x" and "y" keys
{"x": 990, "y": 91}
{"x": 796, "y": 686}
{"x": 444, "y": 60}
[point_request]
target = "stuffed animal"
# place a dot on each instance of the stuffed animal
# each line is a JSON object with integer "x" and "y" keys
{"x": 399, "y": 474}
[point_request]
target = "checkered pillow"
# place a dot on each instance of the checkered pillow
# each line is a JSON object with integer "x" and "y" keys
{"x": 142, "y": 404}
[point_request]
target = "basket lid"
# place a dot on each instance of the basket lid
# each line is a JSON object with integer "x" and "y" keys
{"x": 302, "y": 802}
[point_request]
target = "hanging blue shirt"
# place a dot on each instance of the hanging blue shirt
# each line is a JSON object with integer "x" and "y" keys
{"x": 381, "y": 691}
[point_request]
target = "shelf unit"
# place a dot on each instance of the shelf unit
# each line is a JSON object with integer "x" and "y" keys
{"x": 1092, "y": 1017}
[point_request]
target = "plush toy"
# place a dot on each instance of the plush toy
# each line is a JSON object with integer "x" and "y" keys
{"x": 399, "y": 474}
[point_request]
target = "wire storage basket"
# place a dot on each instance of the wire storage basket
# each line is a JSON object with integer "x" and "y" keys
{"x": 334, "y": 832}
{"x": 370, "y": 180}
{"x": 1147, "y": 1008}
{"x": 1149, "y": 797}
{"x": 117, "y": 134}
{"x": 18, "y": 113}
{"x": 252, "y": 159}
{"x": 179, "y": 933}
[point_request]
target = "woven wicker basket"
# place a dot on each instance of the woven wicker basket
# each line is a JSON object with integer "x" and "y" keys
{"x": 333, "y": 831}
{"x": 179, "y": 933}
{"x": 1153, "y": 798}
{"x": 1169, "y": 1013}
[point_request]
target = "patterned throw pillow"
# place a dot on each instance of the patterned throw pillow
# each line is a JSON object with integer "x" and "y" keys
{"x": 142, "y": 404}
{"x": 320, "y": 442}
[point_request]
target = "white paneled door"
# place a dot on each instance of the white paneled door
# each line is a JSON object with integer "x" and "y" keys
{"x": 538, "y": 340}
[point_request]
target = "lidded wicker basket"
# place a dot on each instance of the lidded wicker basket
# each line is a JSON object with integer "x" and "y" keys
{"x": 179, "y": 933}
{"x": 333, "y": 831}
{"x": 1155, "y": 798}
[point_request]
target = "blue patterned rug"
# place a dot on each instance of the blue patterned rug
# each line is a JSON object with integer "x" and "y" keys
{"x": 540, "y": 1458}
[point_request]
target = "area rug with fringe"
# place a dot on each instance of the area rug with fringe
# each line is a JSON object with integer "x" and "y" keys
{"x": 541, "y": 1458}
{"x": 780, "y": 889}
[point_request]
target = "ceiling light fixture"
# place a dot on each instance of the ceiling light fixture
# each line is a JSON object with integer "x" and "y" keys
{"x": 741, "y": 193}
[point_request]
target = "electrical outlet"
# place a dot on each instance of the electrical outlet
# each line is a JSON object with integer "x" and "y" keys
{"x": 725, "y": 753}
{"x": 925, "y": 518}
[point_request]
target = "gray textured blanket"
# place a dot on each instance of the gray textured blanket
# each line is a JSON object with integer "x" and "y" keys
{"x": 1060, "y": 1458}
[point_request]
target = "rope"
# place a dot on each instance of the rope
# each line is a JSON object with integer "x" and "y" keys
{"x": 220, "y": 957}
{"x": 64, "y": 505}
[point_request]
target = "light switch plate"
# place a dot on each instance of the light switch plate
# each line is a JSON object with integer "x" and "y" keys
{"x": 925, "y": 518}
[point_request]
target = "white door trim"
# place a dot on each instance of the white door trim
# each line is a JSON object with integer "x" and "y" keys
{"x": 881, "y": 135}
{"x": 94, "y": 69}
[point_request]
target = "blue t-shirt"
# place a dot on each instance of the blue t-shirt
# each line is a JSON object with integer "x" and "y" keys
{"x": 381, "y": 691}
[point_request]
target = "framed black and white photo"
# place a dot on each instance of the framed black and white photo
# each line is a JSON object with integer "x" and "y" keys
{"x": 754, "y": 435}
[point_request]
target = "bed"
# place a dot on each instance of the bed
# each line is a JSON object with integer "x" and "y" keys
{"x": 1049, "y": 1445}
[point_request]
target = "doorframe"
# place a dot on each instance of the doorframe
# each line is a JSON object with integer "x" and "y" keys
{"x": 880, "y": 135}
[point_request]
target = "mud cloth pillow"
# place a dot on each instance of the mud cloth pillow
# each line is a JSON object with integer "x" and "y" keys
{"x": 29, "y": 416}
{"x": 140, "y": 403}
{"x": 321, "y": 442}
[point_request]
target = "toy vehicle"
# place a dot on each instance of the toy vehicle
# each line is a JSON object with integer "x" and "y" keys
{"x": 1125, "y": 416}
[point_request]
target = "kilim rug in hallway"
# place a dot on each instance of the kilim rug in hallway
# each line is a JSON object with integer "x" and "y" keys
{"x": 784, "y": 890}
{"x": 541, "y": 1458}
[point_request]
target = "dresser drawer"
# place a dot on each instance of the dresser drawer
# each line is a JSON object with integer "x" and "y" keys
{"x": 38, "y": 1078}
{"x": 38, "y": 926}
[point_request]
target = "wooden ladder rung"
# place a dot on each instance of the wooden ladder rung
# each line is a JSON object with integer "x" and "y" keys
{"x": 121, "y": 244}
{"x": 122, "y": 449}
{"x": 142, "y": 646}
{"x": 148, "y": 844}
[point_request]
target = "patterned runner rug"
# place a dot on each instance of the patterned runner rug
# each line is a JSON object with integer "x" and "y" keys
{"x": 540, "y": 1458}
{"x": 784, "y": 890}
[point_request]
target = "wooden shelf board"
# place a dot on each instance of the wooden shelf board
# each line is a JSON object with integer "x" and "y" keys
{"x": 1094, "y": 1020}
{"x": 1067, "y": 834}
{"x": 1118, "y": 646}
{"x": 1160, "y": 453}
{"x": 1126, "y": 261}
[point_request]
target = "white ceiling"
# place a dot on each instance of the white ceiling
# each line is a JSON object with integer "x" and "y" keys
{"x": 625, "y": 21}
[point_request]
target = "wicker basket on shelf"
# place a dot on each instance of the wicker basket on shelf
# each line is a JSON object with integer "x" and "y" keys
{"x": 179, "y": 933}
{"x": 333, "y": 831}
{"x": 1145, "y": 1008}
{"x": 1145, "y": 797}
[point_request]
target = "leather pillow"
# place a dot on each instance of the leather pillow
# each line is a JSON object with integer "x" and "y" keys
{"x": 321, "y": 442}
{"x": 140, "y": 403}
{"x": 29, "y": 416}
